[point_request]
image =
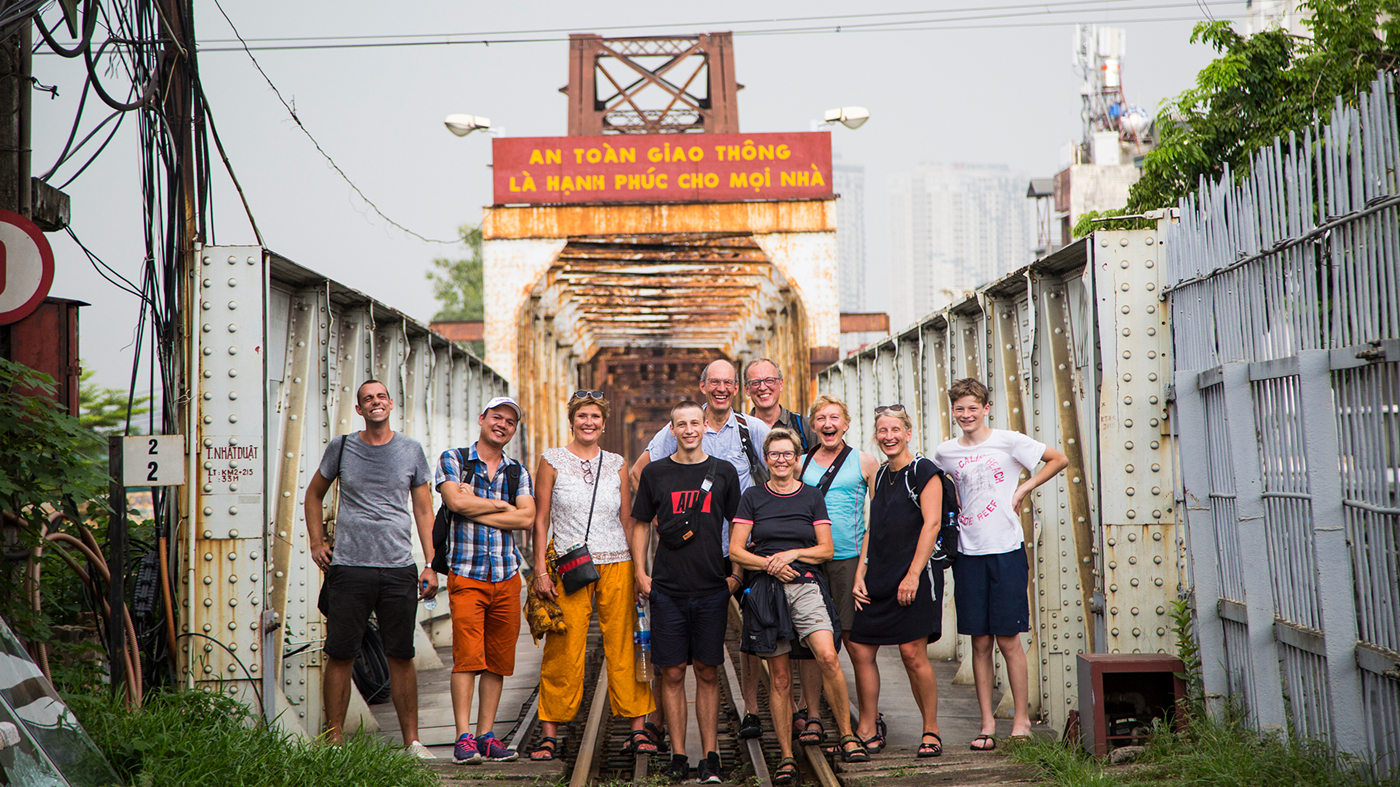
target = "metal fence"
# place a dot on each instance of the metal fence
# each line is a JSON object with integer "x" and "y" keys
{"x": 1075, "y": 350}
{"x": 1285, "y": 313}
{"x": 276, "y": 352}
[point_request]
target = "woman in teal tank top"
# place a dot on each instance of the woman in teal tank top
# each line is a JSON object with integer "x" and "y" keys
{"x": 845, "y": 496}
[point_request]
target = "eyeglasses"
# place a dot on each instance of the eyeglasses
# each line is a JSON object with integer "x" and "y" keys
{"x": 730, "y": 384}
{"x": 588, "y": 395}
{"x": 782, "y": 456}
{"x": 763, "y": 382}
{"x": 898, "y": 408}
{"x": 588, "y": 471}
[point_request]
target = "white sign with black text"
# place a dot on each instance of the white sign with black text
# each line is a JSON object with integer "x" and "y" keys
{"x": 153, "y": 460}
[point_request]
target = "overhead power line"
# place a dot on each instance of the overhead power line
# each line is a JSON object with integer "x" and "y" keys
{"x": 319, "y": 149}
{"x": 845, "y": 22}
{"x": 833, "y": 31}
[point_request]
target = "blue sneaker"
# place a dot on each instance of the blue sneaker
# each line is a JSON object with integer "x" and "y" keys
{"x": 466, "y": 752}
{"x": 494, "y": 750}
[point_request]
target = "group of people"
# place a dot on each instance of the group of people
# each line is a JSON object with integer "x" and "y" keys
{"x": 767, "y": 508}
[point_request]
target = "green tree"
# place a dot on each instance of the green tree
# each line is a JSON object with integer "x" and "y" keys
{"x": 1261, "y": 87}
{"x": 103, "y": 410}
{"x": 47, "y": 467}
{"x": 457, "y": 284}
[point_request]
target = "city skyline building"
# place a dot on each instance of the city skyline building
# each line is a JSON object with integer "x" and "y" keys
{"x": 848, "y": 180}
{"x": 953, "y": 227}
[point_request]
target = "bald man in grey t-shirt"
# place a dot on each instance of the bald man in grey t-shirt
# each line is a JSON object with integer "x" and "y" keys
{"x": 385, "y": 490}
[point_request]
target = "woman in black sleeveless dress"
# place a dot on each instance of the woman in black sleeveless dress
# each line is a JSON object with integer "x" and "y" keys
{"x": 899, "y": 597}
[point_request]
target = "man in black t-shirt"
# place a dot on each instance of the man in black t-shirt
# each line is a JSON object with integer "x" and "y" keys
{"x": 690, "y": 582}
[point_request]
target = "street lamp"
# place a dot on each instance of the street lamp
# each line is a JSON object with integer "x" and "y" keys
{"x": 462, "y": 125}
{"x": 850, "y": 117}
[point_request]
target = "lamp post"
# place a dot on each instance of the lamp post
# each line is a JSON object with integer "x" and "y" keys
{"x": 462, "y": 125}
{"x": 850, "y": 117}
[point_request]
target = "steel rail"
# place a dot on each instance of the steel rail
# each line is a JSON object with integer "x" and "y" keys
{"x": 816, "y": 757}
{"x": 753, "y": 746}
{"x": 586, "y": 760}
{"x": 527, "y": 723}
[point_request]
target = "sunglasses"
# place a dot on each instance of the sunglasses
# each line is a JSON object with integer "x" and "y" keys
{"x": 587, "y": 395}
{"x": 898, "y": 408}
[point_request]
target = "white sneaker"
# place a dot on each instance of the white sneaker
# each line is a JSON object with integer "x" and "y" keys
{"x": 420, "y": 751}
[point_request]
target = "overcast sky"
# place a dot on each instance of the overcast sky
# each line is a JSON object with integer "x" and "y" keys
{"x": 965, "y": 92}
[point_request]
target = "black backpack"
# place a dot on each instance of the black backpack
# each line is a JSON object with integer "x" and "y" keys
{"x": 946, "y": 550}
{"x": 442, "y": 523}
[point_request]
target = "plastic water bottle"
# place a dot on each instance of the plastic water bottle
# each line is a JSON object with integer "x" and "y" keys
{"x": 940, "y": 558}
{"x": 429, "y": 604}
{"x": 642, "y": 639}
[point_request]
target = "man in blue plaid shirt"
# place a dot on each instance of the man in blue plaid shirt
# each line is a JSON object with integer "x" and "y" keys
{"x": 483, "y": 580}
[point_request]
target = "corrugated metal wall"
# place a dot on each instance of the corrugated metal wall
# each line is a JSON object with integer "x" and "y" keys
{"x": 1075, "y": 351}
{"x": 1285, "y": 303}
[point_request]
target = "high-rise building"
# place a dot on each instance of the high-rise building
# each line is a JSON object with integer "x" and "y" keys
{"x": 1260, "y": 15}
{"x": 848, "y": 180}
{"x": 953, "y": 227}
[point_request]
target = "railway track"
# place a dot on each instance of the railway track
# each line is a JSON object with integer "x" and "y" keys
{"x": 592, "y": 744}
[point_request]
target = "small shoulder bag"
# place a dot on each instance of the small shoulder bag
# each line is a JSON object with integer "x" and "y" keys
{"x": 575, "y": 566}
{"x": 677, "y": 533}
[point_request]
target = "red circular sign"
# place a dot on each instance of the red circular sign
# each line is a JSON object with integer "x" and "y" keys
{"x": 26, "y": 267}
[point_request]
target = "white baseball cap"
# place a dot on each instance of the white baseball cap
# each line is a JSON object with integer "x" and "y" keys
{"x": 504, "y": 400}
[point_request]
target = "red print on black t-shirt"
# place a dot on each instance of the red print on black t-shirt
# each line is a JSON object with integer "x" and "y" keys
{"x": 682, "y": 501}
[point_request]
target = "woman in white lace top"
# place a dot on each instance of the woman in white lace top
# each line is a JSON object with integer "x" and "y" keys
{"x": 583, "y": 496}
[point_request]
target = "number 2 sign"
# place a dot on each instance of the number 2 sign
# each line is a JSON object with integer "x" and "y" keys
{"x": 153, "y": 460}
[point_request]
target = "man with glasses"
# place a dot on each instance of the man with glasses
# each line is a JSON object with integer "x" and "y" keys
{"x": 737, "y": 439}
{"x": 730, "y": 436}
{"x": 764, "y": 382}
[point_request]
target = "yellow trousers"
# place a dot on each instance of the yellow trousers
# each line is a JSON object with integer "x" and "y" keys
{"x": 561, "y": 670}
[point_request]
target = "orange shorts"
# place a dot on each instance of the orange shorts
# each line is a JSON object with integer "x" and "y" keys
{"x": 485, "y": 624}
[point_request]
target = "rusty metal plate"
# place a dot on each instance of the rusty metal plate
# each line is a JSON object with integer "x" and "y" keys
{"x": 566, "y": 221}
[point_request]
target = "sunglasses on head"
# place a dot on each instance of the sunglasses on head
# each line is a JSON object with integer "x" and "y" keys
{"x": 587, "y": 395}
{"x": 898, "y": 408}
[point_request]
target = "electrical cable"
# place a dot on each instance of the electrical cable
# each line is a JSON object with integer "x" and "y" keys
{"x": 89, "y": 22}
{"x": 90, "y": 60}
{"x": 213, "y": 129}
{"x": 122, "y": 283}
{"x": 319, "y": 149}
{"x": 1127, "y": 5}
{"x": 257, "y": 685}
{"x": 120, "y": 117}
{"x": 923, "y": 25}
{"x": 77, "y": 120}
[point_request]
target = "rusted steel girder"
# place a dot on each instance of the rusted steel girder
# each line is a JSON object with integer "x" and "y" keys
{"x": 693, "y": 89}
{"x": 570, "y": 221}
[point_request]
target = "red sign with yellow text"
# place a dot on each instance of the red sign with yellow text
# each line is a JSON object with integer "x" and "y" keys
{"x": 662, "y": 168}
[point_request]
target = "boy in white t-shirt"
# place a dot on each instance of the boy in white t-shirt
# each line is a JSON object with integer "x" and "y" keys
{"x": 992, "y": 573}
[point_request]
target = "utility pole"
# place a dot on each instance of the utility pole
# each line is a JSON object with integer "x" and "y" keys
{"x": 15, "y": 91}
{"x": 177, "y": 66}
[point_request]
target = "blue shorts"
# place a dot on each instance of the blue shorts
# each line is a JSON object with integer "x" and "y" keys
{"x": 687, "y": 629}
{"x": 990, "y": 593}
